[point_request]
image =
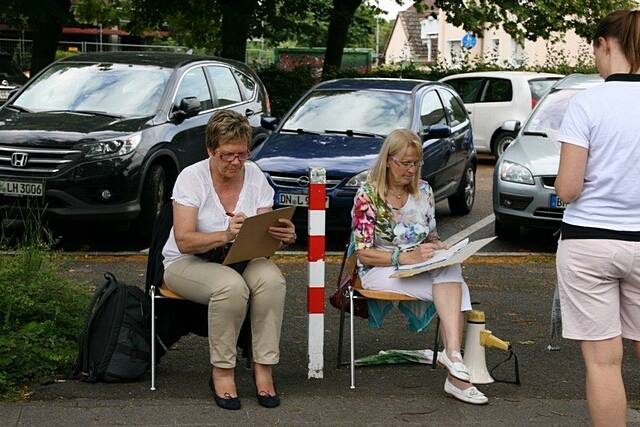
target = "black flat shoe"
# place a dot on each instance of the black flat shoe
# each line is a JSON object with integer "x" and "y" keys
{"x": 268, "y": 401}
{"x": 226, "y": 402}
{"x": 265, "y": 399}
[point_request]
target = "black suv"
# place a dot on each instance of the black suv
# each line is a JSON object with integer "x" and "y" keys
{"x": 102, "y": 136}
{"x": 11, "y": 77}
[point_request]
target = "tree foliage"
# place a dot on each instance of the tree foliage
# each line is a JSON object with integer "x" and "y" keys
{"x": 530, "y": 19}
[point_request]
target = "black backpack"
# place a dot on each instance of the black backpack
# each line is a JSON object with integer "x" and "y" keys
{"x": 115, "y": 343}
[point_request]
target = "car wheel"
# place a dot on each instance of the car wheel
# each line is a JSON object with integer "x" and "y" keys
{"x": 462, "y": 202}
{"x": 506, "y": 231}
{"x": 155, "y": 192}
{"x": 501, "y": 142}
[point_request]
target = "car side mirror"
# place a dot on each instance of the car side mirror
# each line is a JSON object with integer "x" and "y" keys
{"x": 436, "y": 132}
{"x": 189, "y": 107}
{"x": 269, "y": 122}
{"x": 511, "y": 125}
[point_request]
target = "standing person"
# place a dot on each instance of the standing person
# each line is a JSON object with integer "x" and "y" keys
{"x": 598, "y": 260}
{"x": 394, "y": 223}
{"x": 211, "y": 200}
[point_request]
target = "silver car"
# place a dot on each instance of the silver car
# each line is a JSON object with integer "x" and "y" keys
{"x": 524, "y": 176}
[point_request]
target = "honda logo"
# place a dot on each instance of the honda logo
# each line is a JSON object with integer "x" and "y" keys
{"x": 19, "y": 160}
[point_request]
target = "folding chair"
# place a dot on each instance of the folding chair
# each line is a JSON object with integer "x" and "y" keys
{"x": 163, "y": 292}
{"x": 355, "y": 291}
{"x": 156, "y": 288}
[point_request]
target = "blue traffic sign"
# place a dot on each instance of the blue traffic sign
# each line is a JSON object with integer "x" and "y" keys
{"x": 469, "y": 41}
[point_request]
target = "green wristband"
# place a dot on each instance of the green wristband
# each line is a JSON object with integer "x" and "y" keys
{"x": 395, "y": 258}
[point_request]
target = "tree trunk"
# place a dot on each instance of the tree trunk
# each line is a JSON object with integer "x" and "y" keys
{"x": 341, "y": 17}
{"x": 45, "y": 43}
{"x": 236, "y": 17}
{"x": 46, "y": 30}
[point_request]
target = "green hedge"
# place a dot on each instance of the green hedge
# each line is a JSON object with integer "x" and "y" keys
{"x": 285, "y": 87}
{"x": 41, "y": 316}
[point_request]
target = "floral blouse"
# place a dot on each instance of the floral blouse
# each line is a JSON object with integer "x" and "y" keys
{"x": 376, "y": 224}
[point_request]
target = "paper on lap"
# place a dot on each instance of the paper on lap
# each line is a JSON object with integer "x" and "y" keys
{"x": 444, "y": 257}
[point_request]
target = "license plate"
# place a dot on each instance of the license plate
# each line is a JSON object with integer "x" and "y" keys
{"x": 286, "y": 199}
{"x": 14, "y": 188}
{"x": 556, "y": 202}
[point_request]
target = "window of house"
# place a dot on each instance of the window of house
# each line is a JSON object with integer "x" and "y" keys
{"x": 455, "y": 110}
{"x": 431, "y": 110}
{"x": 225, "y": 85}
{"x": 194, "y": 83}
{"x": 498, "y": 90}
{"x": 495, "y": 47}
{"x": 455, "y": 52}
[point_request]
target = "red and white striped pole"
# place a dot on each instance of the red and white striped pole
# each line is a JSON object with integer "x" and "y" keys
{"x": 315, "y": 291}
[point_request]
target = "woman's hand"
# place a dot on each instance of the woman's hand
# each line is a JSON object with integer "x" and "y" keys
{"x": 421, "y": 253}
{"x": 440, "y": 244}
{"x": 286, "y": 233}
{"x": 235, "y": 223}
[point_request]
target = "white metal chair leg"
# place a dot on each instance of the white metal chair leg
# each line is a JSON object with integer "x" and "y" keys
{"x": 153, "y": 338}
{"x": 352, "y": 349}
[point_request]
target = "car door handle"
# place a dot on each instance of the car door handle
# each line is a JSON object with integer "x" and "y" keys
{"x": 248, "y": 112}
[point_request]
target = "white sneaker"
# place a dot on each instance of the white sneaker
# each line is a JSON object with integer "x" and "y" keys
{"x": 470, "y": 395}
{"x": 456, "y": 369}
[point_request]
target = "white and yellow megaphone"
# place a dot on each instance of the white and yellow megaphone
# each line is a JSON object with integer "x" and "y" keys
{"x": 475, "y": 342}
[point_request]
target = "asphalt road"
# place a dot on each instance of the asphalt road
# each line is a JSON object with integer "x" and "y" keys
{"x": 97, "y": 238}
{"x": 514, "y": 292}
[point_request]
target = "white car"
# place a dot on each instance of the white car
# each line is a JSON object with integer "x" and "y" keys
{"x": 493, "y": 97}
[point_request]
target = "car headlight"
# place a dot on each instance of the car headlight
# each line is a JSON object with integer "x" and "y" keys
{"x": 513, "y": 172}
{"x": 358, "y": 180}
{"x": 113, "y": 147}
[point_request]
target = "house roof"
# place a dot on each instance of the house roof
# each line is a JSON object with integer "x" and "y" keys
{"x": 410, "y": 21}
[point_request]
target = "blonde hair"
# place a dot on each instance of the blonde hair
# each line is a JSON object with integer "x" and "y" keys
{"x": 226, "y": 125}
{"x": 396, "y": 142}
{"x": 624, "y": 26}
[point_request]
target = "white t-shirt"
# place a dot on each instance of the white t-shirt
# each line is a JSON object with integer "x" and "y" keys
{"x": 606, "y": 121}
{"x": 194, "y": 188}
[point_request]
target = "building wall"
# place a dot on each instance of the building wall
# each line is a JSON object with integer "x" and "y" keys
{"x": 398, "y": 46}
{"x": 507, "y": 49}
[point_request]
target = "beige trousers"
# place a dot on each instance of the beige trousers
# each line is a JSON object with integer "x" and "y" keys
{"x": 227, "y": 294}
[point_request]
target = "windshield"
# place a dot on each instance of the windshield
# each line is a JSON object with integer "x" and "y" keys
{"x": 373, "y": 111}
{"x": 539, "y": 87}
{"x": 549, "y": 113}
{"x": 10, "y": 71}
{"x": 115, "y": 89}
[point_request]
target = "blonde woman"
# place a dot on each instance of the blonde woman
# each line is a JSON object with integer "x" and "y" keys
{"x": 394, "y": 223}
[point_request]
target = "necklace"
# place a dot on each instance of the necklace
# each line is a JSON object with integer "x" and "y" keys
{"x": 396, "y": 195}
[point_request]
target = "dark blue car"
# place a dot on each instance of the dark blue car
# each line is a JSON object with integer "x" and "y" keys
{"x": 341, "y": 124}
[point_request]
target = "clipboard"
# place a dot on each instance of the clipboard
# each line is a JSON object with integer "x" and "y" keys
{"x": 254, "y": 240}
{"x": 456, "y": 257}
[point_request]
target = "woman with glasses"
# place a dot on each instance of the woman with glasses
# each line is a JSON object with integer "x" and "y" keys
{"x": 394, "y": 223}
{"x": 211, "y": 200}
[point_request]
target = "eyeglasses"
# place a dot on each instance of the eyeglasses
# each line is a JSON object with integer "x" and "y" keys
{"x": 230, "y": 157}
{"x": 407, "y": 165}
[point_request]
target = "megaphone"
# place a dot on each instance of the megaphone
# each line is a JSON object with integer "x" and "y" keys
{"x": 477, "y": 338}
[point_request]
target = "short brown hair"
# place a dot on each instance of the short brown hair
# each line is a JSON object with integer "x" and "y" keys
{"x": 226, "y": 125}
{"x": 624, "y": 26}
